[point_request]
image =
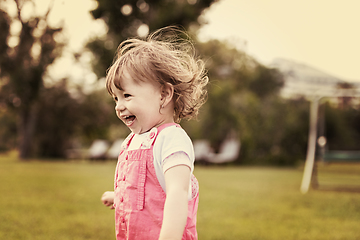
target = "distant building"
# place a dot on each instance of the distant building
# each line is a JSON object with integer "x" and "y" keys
{"x": 301, "y": 80}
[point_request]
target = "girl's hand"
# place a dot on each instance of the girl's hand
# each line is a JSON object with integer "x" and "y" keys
{"x": 108, "y": 199}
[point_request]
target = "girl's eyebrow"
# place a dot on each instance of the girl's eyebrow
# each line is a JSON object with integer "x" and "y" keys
{"x": 117, "y": 84}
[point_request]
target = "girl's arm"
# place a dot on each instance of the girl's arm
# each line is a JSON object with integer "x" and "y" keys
{"x": 177, "y": 181}
{"x": 108, "y": 199}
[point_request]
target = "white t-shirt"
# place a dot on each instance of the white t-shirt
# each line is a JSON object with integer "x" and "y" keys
{"x": 170, "y": 146}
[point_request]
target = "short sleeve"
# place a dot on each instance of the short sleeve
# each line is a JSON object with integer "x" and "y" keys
{"x": 174, "y": 140}
{"x": 176, "y": 159}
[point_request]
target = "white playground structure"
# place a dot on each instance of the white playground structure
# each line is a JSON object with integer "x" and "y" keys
{"x": 312, "y": 139}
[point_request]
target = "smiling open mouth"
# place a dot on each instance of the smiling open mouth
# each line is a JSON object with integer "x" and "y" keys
{"x": 128, "y": 120}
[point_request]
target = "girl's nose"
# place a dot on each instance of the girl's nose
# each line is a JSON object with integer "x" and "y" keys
{"x": 119, "y": 106}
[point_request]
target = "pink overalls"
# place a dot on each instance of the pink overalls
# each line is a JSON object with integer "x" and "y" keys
{"x": 139, "y": 197}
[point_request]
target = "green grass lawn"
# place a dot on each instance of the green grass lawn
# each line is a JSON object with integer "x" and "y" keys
{"x": 61, "y": 200}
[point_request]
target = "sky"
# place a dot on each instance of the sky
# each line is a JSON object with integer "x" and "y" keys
{"x": 321, "y": 33}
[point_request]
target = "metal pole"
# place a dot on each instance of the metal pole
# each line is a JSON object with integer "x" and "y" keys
{"x": 310, "y": 156}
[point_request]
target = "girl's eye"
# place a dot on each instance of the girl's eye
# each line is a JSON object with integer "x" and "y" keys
{"x": 127, "y": 95}
{"x": 115, "y": 99}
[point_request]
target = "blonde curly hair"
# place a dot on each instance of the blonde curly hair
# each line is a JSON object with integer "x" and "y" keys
{"x": 165, "y": 58}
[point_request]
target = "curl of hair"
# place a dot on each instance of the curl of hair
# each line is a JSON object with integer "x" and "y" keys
{"x": 166, "y": 58}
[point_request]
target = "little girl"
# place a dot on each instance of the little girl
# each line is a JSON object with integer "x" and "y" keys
{"x": 155, "y": 83}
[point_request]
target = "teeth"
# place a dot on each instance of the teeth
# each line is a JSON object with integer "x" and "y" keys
{"x": 128, "y": 120}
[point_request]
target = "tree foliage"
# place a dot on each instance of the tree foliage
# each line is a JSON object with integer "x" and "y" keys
{"x": 25, "y": 57}
{"x": 132, "y": 18}
{"x": 342, "y": 127}
{"x": 67, "y": 121}
{"x": 243, "y": 99}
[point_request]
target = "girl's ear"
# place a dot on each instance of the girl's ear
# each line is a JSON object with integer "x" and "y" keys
{"x": 167, "y": 93}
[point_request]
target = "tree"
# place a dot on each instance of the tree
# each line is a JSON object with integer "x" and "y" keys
{"x": 132, "y": 18}
{"x": 24, "y": 59}
{"x": 229, "y": 71}
{"x": 8, "y": 130}
{"x": 57, "y": 123}
{"x": 342, "y": 128}
{"x": 67, "y": 120}
{"x": 266, "y": 81}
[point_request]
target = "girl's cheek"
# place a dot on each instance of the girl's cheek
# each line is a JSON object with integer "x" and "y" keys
{"x": 117, "y": 113}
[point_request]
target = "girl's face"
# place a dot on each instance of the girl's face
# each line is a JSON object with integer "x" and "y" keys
{"x": 138, "y": 105}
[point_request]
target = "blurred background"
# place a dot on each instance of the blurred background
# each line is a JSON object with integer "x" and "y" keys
{"x": 262, "y": 60}
{"x": 268, "y": 62}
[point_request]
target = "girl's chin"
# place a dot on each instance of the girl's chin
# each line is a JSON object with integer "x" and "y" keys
{"x": 139, "y": 130}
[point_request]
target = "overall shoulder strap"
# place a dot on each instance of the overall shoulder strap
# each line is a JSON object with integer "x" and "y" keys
{"x": 154, "y": 132}
{"x": 161, "y": 127}
{"x": 127, "y": 141}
